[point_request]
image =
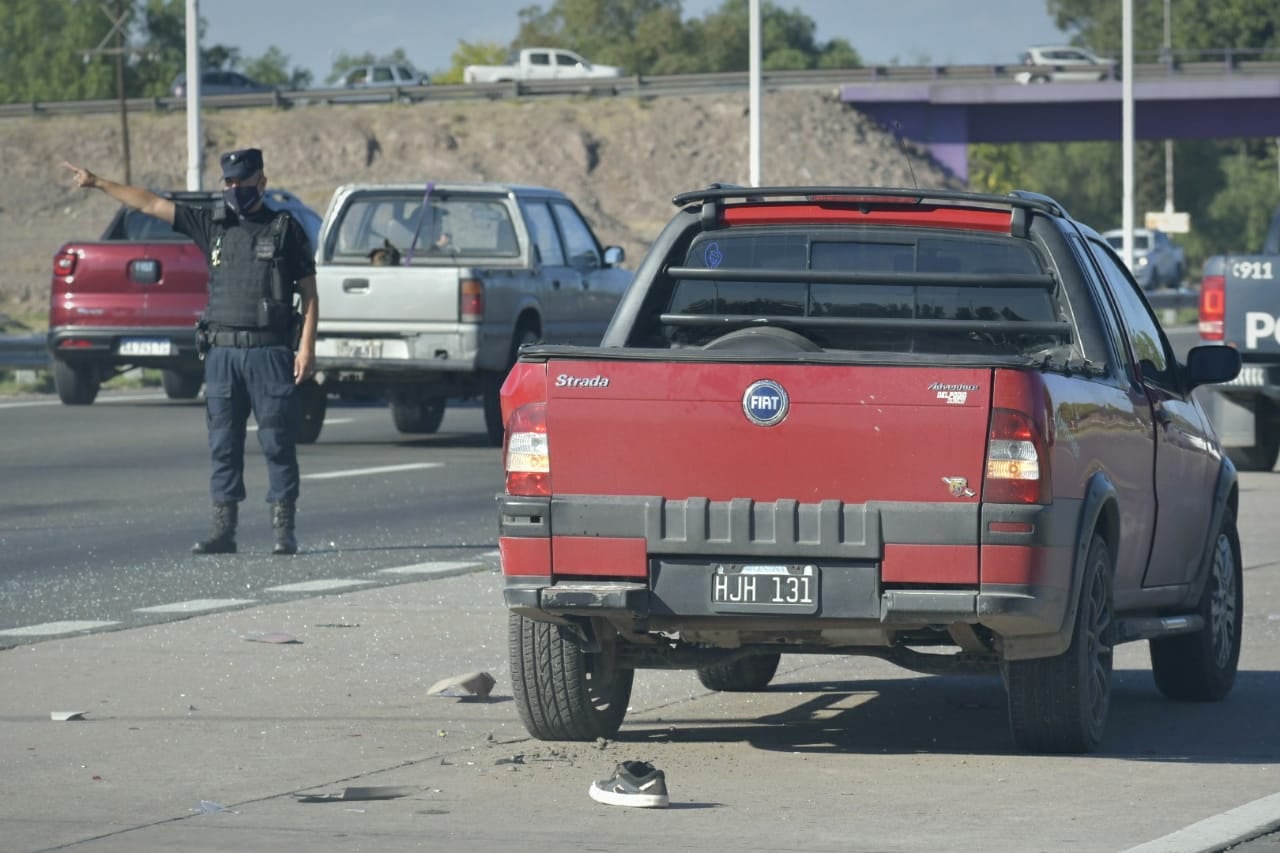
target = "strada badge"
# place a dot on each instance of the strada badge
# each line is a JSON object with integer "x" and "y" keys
{"x": 564, "y": 380}
{"x": 765, "y": 403}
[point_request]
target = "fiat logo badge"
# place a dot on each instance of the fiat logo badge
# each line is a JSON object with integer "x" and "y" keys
{"x": 765, "y": 403}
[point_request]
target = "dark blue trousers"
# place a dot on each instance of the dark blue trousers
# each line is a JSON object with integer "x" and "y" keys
{"x": 237, "y": 381}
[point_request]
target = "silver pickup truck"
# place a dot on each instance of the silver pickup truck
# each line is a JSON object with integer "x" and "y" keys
{"x": 428, "y": 292}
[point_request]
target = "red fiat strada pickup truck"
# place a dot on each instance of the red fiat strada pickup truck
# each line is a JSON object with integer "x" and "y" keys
{"x": 940, "y": 428}
{"x": 132, "y": 298}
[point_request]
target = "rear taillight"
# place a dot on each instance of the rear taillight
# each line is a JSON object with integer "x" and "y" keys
{"x": 1213, "y": 307}
{"x": 525, "y": 452}
{"x": 1017, "y": 461}
{"x": 64, "y": 263}
{"x": 471, "y": 300}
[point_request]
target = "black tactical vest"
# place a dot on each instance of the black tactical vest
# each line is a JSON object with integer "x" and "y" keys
{"x": 244, "y": 292}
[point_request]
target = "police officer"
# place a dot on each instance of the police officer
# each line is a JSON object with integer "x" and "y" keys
{"x": 258, "y": 259}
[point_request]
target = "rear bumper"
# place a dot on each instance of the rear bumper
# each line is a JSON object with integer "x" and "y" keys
{"x": 886, "y": 566}
{"x": 101, "y": 345}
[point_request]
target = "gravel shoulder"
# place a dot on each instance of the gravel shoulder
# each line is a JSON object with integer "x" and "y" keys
{"x": 620, "y": 159}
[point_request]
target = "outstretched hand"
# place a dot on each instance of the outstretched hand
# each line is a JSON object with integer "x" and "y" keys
{"x": 84, "y": 179}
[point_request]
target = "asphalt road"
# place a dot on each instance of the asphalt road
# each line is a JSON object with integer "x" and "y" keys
{"x": 99, "y": 506}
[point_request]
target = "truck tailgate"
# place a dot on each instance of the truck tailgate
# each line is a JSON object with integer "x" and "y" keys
{"x": 1251, "y": 294}
{"x": 404, "y": 298}
{"x": 849, "y": 433}
{"x": 118, "y": 283}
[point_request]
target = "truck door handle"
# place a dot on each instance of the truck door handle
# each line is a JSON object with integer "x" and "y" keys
{"x": 555, "y": 284}
{"x": 355, "y": 285}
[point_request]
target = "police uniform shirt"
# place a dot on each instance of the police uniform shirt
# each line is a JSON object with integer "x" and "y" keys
{"x": 198, "y": 223}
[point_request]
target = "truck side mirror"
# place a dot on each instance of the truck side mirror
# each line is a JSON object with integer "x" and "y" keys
{"x": 1210, "y": 364}
{"x": 614, "y": 255}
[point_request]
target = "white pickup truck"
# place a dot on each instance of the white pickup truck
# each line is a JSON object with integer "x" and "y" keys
{"x": 538, "y": 63}
{"x": 428, "y": 292}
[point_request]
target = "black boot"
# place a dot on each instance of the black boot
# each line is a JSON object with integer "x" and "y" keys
{"x": 282, "y": 517}
{"x": 222, "y": 537}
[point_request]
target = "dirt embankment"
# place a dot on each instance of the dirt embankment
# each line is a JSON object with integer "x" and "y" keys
{"x": 621, "y": 160}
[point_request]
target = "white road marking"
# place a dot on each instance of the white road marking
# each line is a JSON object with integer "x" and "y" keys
{"x": 362, "y": 472}
{"x": 126, "y": 398}
{"x": 318, "y": 586}
{"x": 47, "y": 628}
{"x": 1220, "y": 831}
{"x": 438, "y": 568}
{"x": 195, "y": 605}
{"x": 494, "y": 553}
{"x": 327, "y": 422}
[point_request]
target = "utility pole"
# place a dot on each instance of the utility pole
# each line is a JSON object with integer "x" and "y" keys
{"x": 1168, "y": 143}
{"x": 118, "y": 20}
{"x": 753, "y": 39}
{"x": 194, "y": 152}
{"x": 1126, "y": 128}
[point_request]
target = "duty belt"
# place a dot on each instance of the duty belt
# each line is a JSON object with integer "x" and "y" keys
{"x": 246, "y": 338}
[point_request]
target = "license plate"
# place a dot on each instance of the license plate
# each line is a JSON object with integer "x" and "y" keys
{"x": 145, "y": 346}
{"x": 765, "y": 588}
{"x": 352, "y": 348}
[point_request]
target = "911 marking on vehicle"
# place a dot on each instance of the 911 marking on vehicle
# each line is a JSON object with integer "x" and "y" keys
{"x": 1259, "y": 270}
{"x": 564, "y": 380}
{"x": 765, "y": 403}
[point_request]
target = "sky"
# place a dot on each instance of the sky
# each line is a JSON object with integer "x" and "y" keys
{"x": 312, "y": 33}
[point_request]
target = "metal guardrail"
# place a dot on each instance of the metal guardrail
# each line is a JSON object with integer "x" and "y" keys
{"x": 635, "y": 86}
{"x": 29, "y": 352}
{"x": 23, "y": 352}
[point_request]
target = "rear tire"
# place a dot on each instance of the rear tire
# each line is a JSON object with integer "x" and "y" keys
{"x": 1201, "y": 667}
{"x": 744, "y": 675}
{"x": 312, "y": 404}
{"x": 562, "y": 692}
{"x": 77, "y": 385}
{"x": 179, "y": 385}
{"x": 1060, "y": 704}
{"x": 417, "y": 415}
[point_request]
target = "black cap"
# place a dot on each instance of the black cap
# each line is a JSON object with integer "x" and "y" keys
{"x": 238, "y": 165}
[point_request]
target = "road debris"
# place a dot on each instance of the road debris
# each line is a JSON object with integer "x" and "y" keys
{"x": 210, "y": 807}
{"x": 347, "y": 795}
{"x": 274, "y": 637}
{"x": 473, "y": 685}
{"x": 64, "y": 716}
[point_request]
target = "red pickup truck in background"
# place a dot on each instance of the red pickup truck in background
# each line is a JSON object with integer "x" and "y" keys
{"x": 132, "y": 299}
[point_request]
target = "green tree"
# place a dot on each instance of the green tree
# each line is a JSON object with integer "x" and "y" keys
{"x": 995, "y": 168}
{"x": 650, "y": 36}
{"x": 469, "y": 53}
{"x": 1228, "y": 187}
{"x": 272, "y": 68}
{"x": 44, "y": 51}
{"x": 1203, "y": 25}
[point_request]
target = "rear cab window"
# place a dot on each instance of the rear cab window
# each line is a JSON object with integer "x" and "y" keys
{"x": 869, "y": 289}
{"x": 478, "y": 226}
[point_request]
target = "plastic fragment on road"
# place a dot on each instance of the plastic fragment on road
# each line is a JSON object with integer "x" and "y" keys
{"x": 347, "y": 795}
{"x": 472, "y": 685}
{"x": 275, "y": 637}
{"x": 64, "y": 716}
{"x": 210, "y": 807}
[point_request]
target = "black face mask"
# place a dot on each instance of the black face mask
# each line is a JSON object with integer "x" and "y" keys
{"x": 241, "y": 199}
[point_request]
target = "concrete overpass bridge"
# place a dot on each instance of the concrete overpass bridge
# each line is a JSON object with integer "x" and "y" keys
{"x": 945, "y": 116}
